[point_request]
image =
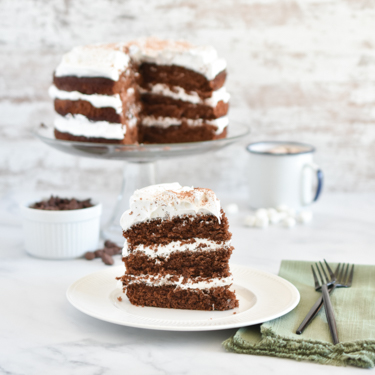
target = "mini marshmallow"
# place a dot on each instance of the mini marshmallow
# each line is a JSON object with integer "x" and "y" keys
{"x": 249, "y": 221}
{"x": 261, "y": 222}
{"x": 231, "y": 208}
{"x": 289, "y": 222}
{"x": 275, "y": 217}
{"x": 261, "y": 212}
{"x": 271, "y": 211}
{"x": 291, "y": 212}
{"x": 282, "y": 208}
{"x": 304, "y": 217}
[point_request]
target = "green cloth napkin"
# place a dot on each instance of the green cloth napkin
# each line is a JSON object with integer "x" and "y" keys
{"x": 355, "y": 316}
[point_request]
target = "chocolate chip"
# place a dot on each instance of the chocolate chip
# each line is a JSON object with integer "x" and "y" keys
{"x": 90, "y": 255}
{"x": 99, "y": 253}
{"x": 110, "y": 251}
{"x": 107, "y": 259}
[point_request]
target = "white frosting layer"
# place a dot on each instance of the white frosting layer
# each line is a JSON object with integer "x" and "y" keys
{"x": 110, "y": 60}
{"x": 193, "y": 283}
{"x": 202, "y": 59}
{"x": 96, "y": 100}
{"x": 172, "y": 247}
{"x": 165, "y": 122}
{"x": 169, "y": 200}
{"x": 179, "y": 93}
{"x": 80, "y": 125}
{"x": 99, "y": 60}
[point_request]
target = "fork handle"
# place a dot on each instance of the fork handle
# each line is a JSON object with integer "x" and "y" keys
{"x": 313, "y": 312}
{"x": 330, "y": 314}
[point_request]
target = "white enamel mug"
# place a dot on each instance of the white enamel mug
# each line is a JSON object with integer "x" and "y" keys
{"x": 279, "y": 178}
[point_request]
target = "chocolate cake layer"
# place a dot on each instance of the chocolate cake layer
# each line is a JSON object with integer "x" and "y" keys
{"x": 96, "y": 85}
{"x": 173, "y": 75}
{"x": 63, "y": 107}
{"x": 162, "y": 232}
{"x": 86, "y": 85}
{"x": 163, "y": 106}
{"x": 130, "y": 137}
{"x": 179, "y": 134}
{"x": 220, "y": 298}
{"x": 185, "y": 263}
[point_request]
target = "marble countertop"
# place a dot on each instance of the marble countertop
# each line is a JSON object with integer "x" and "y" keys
{"x": 41, "y": 333}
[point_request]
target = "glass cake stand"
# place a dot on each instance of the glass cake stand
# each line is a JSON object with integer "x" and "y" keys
{"x": 139, "y": 169}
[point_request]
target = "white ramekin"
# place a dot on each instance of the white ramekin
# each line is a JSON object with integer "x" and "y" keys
{"x": 61, "y": 234}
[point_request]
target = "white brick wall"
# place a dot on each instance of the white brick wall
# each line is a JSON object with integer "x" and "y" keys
{"x": 300, "y": 70}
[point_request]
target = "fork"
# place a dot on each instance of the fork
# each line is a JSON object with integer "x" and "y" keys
{"x": 344, "y": 280}
{"x": 323, "y": 285}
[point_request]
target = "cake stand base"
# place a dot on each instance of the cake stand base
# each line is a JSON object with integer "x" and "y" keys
{"x": 135, "y": 176}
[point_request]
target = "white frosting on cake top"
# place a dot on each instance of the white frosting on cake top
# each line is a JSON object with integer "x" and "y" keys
{"x": 110, "y": 60}
{"x": 202, "y": 59}
{"x": 98, "y": 60}
{"x": 169, "y": 200}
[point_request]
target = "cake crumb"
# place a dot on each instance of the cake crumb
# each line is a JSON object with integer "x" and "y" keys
{"x": 119, "y": 298}
{"x": 234, "y": 313}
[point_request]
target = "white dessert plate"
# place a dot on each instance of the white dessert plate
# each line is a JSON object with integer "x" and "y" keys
{"x": 262, "y": 297}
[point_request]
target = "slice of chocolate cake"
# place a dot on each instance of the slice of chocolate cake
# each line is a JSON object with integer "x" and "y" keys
{"x": 177, "y": 248}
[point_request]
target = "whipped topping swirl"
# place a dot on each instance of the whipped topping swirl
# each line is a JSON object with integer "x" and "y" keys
{"x": 167, "y": 201}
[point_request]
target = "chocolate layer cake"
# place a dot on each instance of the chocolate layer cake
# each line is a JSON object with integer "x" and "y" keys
{"x": 146, "y": 91}
{"x": 177, "y": 248}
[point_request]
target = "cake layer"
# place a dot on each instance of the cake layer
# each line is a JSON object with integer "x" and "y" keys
{"x": 162, "y": 106}
{"x": 179, "y": 134}
{"x": 166, "y": 201}
{"x": 220, "y": 298}
{"x": 77, "y": 138}
{"x": 85, "y": 108}
{"x": 96, "y": 100}
{"x": 173, "y": 75}
{"x": 159, "y": 231}
{"x": 95, "y": 85}
{"x": 186, "y": 263}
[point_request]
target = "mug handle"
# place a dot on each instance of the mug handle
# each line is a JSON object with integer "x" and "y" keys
{"x": 319, "y": 177}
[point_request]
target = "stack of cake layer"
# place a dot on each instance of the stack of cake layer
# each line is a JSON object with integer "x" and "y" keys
{"x": 177, "y": 249}
{"x": 146, "y": 91}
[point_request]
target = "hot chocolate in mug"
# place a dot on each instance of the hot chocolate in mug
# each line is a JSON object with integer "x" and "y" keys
{"x": 283, "y": 173}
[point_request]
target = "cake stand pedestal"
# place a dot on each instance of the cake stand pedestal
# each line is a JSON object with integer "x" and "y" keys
{"x": 139, "y": 169}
